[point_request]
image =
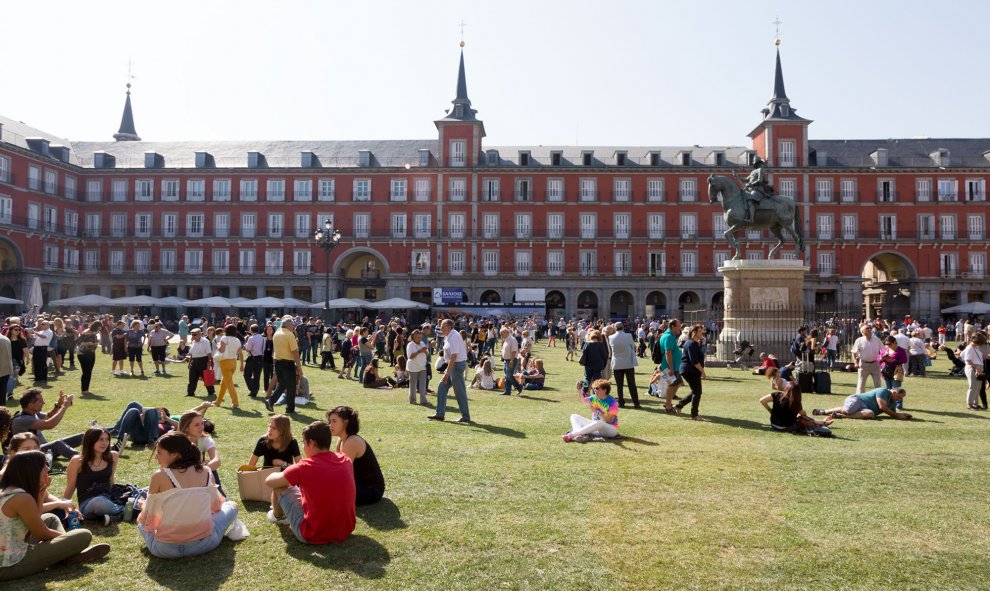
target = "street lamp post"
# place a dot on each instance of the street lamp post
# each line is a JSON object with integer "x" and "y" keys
{"x": 327, "y": 238}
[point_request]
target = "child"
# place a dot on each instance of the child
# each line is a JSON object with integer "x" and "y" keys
{"x": 401, "y": 376}
{"x": 604, "y": 420}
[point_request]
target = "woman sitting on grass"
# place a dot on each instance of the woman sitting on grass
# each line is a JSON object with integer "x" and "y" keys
{"x": 786, "y": 411}
{"x": 534, "y": 377}
{"x": 373, "y": 380}
{"x": 368, "y": 478}
{"x": 484, "y": 375}
{"x": 192, "y": 425}
{"x": 400, "y": 375}
{"x": 90, "y": 475}
{"x": 277, "y": 448}
{"x": 185, "y": 514}
{"x": 604, "y": 420}
{"x": 50, "y": 503}
{"x": 33, "y": 541}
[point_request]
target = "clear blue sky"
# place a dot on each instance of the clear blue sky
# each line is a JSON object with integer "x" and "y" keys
{"x": 607, "y": 73}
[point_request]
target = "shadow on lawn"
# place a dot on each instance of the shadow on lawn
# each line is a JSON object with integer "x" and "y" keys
{"x": 526, "y": 396}
{"x": 496, "y": 430}
{"x": 954, "y": 414}
{"x": 220, "y": 564}
{"x": 362, "y": 555}
{"x": 383, "y": 515}
{"x": 621, "y": 442}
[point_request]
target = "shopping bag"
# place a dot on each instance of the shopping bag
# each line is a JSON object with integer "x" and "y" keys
{"x": 209, "y": 377}
{"x": 251, "y": 483}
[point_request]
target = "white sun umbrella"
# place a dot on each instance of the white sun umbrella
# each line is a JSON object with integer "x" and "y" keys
{"x": 85, "y": 301}
{"x": 7, "y": 301}
{"x": 339, "y": 304}
{"x": 35, "y": 297}
{"x": 969, "y": 308}
{"x": 214, "y": 302}
{"x": 397, "y": 304}
{"x": 172, "y": 302}
{"x": 294, "y": 303}
{"x": 266, "y": 302}
{"x": 135, "y": 301}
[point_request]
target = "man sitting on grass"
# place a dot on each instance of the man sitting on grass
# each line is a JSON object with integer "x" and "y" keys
{"x": 869, "y": 405}
{"x": 315, "y": 497}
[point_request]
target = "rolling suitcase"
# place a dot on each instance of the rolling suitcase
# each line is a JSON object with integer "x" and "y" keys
{"x": 806, "y": 374}
{"x": 823, "y": 382}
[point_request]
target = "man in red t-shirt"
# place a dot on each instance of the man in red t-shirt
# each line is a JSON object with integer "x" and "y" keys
{"x": 316, "y": 496}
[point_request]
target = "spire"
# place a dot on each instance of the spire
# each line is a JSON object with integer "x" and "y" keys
{"x": 462, "y": 110}
{"x": 779, "y": 106}
{"x": 462, "y": 96}
{"x": 778, "y": 80}
{"x": 127, "y": 133}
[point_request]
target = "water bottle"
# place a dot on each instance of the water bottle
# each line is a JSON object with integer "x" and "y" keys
{"x": 50, "y": 457}
{"x": 73, "y": 521}
{"x": 129, "y": 510}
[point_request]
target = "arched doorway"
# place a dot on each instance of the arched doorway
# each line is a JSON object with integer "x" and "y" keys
{"x": 888, "y": 281}
{"x": 490, "y": 296}
{"x": 587, "y": 304}
{"x": 362, "y": 273}
{"x": 10, "y": 257}
{"x": 620, "y": 305}
{"x": 688, "y": 300}
{"x": 556, "y": 305}
{"x": 718, "y": 301}
{"x": 657, "y": 302}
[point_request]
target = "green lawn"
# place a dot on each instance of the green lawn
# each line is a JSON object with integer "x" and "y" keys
{"x": 505, "y": 504}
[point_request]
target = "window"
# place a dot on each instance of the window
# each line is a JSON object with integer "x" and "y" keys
{"x": 555, "y": 189}
{"x": 826, "y": 226}
{"x": 826, "y": 264}
{"x": 623, "y": 263}
{"x": 620, "y": 225}
{"x": 70, "y": 193}
{"x": 823, "y": 190}
{"x": 456, "y": 262}
{"x": 92, "y": 261}
{"x": 555, "y": 226}
{"x": 221, "y": 189}
{"x": 975, "y": 226}
{"x": 142, "y": 225}
{"x": 588, "y": 190}
{"x": 849, "y": 223}
{"x": 885, "y": 191}
{"x": 458, "y": 153}
{"x": 70, "y": 259}
{"x": 689, "y": 225}
{"x": 489, "y": 190}
{"x": 51, "y": 219}
{"x": 689, "y": 263}
{"x": 923, "y": 190}
{"x": 947, "y": 224}
{"x": 658, "y": 264}
{"x": 195, "y": 190}
{"x": 787, "y": 188}
{"x": 421, "y": 190}
{"x": 170, "y": 225}
{"x": 4, "y": 169}
{"x": 524, "y": 262}
{"x": 34, "y": 178}
{"x": 588, "y": 262}
{"x": 718, "y": 259}
{"x": 523, "y": 158}
{"x": 144, "y": 190}
{"x": 586, "y": 158}
{"x": 655, "y": 223}
{"x": 302, "y": 190}
{"x": 246, "y": 263}
{"x": 301, "y": 261}
{"x": 589, "y": 225}
{"x": 718, "y": 226}
{"x": 51, "y": 257}
{"x": 949, "y": 264}
{"x": 194, "y": 225}
{"x": 490, "y": 225}
{"x": 888, "y": 227}
{"x": 302, "y": 225}
{"x": 221, "y": 261}
{"x": 94, "y": 190}
{"x": 170, "y": 189}
{"x": 555, "y": 262}
{"x": 274, "y": 225}
{"x": 621, "y": 189}
{"x": 221, "y": 225}
{"x": 33, "y": 216}
{"x": 362, "y": 225}
{"x": 654, "y": 190}
{"x": 249, "y": 225}
{"x": 399, "y": 189}
{"x": 166, "y": 260}
{"x": 421, "y": 225}
{"x": 456, "y": 225}
{"x": 977, "y": 264}
{"x": 116, "y": 261}
{"x": 398, "y": 225}
{"x": 787, "y": 152}
{"x": 51, "y": 181}
{"x": 926, "y": 227}
{"x": 249, "y": 190}
{"x": 524, "y": 190}
{"x": 689, "y": 190}
{"x": 275, "y": 190}
{"x": 976, "y": 190}
{"x": 489, "y": 259}
{"x": 847, "y": 190}
{"x": 524, "y": 226}
{"x": 118, "y": 190}
{"x": 273, "y": 262}
{"x": 118, "y": 225}
{"x": 7, "y": 210}
{"x": 458, "y": 189}
{"x": 947, "y": 189}
{"x": 326, "y": 190}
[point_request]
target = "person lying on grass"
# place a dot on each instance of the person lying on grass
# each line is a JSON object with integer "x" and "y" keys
{"x": 786, "y": 412}
{"x": 868, "y": 405}
{"x": 604, "y": 420}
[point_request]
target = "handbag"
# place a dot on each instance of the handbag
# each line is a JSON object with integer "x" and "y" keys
{"x": 251, "y": 483}
{"x": 209, "y": 377}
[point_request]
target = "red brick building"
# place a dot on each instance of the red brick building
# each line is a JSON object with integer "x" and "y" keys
{"x": 899, "y": 225}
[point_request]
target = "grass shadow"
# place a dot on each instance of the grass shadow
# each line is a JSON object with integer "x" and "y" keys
{"x": 300, "y": 417}
{"x": 219, "y": 562}
{"x": 383, "y": 515}
{"x": 241, "y": 412}
{"x": 496, "y": 430}
{"x": 737, "y": 423}
{"x": 361, "y": 555}
{"x": 622, "y": 440}
{"x": 537, "y": 398}
{"x": 954, "y": 414}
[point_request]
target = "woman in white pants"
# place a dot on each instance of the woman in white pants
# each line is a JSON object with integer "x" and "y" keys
{"x": 973, "y": 356}
{"x": 604, "y": 421}
{"x": 416, "y": 355}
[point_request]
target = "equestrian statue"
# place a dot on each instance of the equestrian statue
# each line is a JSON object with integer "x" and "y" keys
{"x": 756, "y": 207}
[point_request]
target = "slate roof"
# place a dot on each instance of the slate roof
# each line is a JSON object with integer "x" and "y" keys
{"x": 904, "y": 153}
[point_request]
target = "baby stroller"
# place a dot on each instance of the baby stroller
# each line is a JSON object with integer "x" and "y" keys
{"x": 744, "y": 350}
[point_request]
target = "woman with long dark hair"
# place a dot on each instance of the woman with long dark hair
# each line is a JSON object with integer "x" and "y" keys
{"x": 368, "y": 477}
{"x": 86, "y": 345}
{"x": 692, "y": 369}
{"x": 90, "y": 475}
{"x": 786, "y": 410}
{"x": 268, "y": 357}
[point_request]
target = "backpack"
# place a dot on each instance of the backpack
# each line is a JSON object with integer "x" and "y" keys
{"x": 797, "y": 347}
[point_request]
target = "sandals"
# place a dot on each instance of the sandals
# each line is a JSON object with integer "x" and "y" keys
{"x": 669, "y": 410}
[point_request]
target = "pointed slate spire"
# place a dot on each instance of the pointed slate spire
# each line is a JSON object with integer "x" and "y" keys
{"x": 778, "y": 81}
{"x": 127, "y": 133}
{"x": 462, "y": 110}
{"x": 462, "y": 96}
{"x": 779, "y": 106}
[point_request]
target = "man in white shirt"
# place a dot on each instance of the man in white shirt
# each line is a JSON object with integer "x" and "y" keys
{"x": 200, "y": 352}
{"x": 455, "y": 354}
{"x": 510, "y": 354}
{"x": 865, "y": 352}
{"x": 254, "y": 348}
{"x": 39, "y": 354}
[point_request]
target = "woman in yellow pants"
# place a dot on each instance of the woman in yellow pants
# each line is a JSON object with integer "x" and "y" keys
{"x": 230, "y": 352}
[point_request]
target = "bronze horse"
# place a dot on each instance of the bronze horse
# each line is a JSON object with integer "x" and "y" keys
{"x": 779, "y": 219}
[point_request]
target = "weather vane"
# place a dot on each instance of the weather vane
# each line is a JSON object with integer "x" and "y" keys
{"x": 462, "y": 25}
{"x": 777, "y": 22}
{"x": 130, "y": 76}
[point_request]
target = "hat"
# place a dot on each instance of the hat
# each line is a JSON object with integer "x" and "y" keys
{"x": 426, "y": 325}
{"x": 288, "y": 318}
{"x": 195, "y": 331}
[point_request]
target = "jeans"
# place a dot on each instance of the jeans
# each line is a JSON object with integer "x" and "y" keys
{"x": 64, "y": 447}
{"x": 916, "y": 365}
{"x": 98, "y": 506}
{"x": 510, "y": 370}
{"x": 291, "y": 503}
{"x": 456, "y": 382}
{"x": 86, "y": 363}
{"x": 363, "y": 361}
{"x": 252, "y": 374}
{"x": 590, "y": 375}
{"x": 304, "y": 352}
{"x": 417, "y": 382}
{"x": 48, "y": 553}
{"x": 694, "y": 381}
{"x": 222, "y": 520}
{"x": 130, "y": 422}
{"x": 620, "y": 377}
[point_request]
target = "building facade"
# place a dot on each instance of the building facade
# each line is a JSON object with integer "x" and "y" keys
{"x": 892, "y": 226}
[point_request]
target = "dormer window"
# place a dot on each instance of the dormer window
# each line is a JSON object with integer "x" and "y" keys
{"x": 364, "y": 157}
{"x": 491, "y": 158}
{"x": 941, "y": 157}
{"x": 523, "y": 158}
{"x": 459, "y": 111}
{"x": 717, "y": 157}
{"x": 586, "y": 158}
{"x": 556, "y": 157}
{"x": 654, "y": 158}
{"x": 879, "y": 157}
{"x": 685, "y": 158}
{"x": 620, "y": 158}
{"x": 424, "y": 157}
{"x": 785, "y": 111}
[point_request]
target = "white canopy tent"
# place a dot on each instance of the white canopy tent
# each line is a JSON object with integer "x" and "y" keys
{"x": 340, "y": 304}
{"x": 85, "y": 301}
{"x": 214, "y": 302}
{"x": 134, "y": 301}
{"x": 294, "y": 303}
{"x": 968, "y": 308}
{"x": 172, "y": 302}
{"x": 396, "y": 304}
{"x": 266, "y": 302}
{"x": 7, "y": 301}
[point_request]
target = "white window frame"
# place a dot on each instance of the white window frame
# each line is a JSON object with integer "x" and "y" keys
{"x": 688, "y": 189}
{"x": 588, "y": 189}
{"x": 302, "y": 261}
{"x": 301, "y": 225}
{"x": 246, "y": 261}
{"x": 555, "y": 189}
{"x": 787, "y": 153}
{"x": 302, "y": 190}
{"x": 588, "y": 262}
{"x": 622, "y": 225}
{"x": 457, "y": 225}
{"x": 422, "y": 223}
{"x": 118, "y": 190}
{"x": 221, "y": 224}
{"x": 689, "y": 263}
{"x": 170, "y": 224}
{"x": 170, "y": 189}
{"x": 144, "y": 190}
{"x": 275, "y": 190}
{"x": 222, "y": 190}
{"x": 276, "y": 225}
{"x": 421, "y": 189}
{"x": 144, "y": 224}
{"x": 458, "y": 153}
{"x": 195, "y": 189}
{"x": 689, "y": 226}
{"x": 656, "y": 225}
{"x": 524, "y": 226}
{"x": 555, "y": 263}
{"x": 167, "y": 260}
{"x": 948, "y": 229}
{"x": 419, "y": 264}
{"x": 51, "y": 181}
{"x": 490, "y": 225}
{"x": 825, "y": 225}
{"x": 457, "y": 189}
{"x": 274, "y": 261}
{"x": 249, "y": 230}
{"x": 926, "y": 226}
{"x": 328, "y": 189}
{"x": 923, "y": 190}
{"x": 976, "y": 226}
{"x": 555, "y": 226}
{"x": 193, "y": 261}
{"x": 588, "y": 225}
{"x": 888, "y": 227}
{"x": 195, "y": 224}
{"x": 398, "y": 225}
{"x": 490, "y": 262}
{"x": 622, "y": 263}
{"x": 657, "y": 261}
{"x": 248, "y": 190}
{"x": 523, "y": 262}
{"x": 825, "y": 263}
{"x": 491, "y": 189}
{"x": 848, "y": 190}
{"x": 399, "y": 189}
{"x": 94, "y": 190}
{"x": 362, "y": 225}
{"x": 455, "y": 264}
{"x": 621, "y": 190}
{"x": 220, "y": 261}
{"x": 655, "y": 192}
{"x": 948, "y": 189}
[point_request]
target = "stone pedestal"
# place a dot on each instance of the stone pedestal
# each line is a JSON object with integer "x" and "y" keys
{"x": 764, "y": 304}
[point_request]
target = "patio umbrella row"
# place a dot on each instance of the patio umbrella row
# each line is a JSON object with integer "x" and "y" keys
{"x": 222, "y": 302}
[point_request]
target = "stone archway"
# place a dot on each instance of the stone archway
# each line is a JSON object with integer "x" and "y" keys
{"x": 620, "y": 305}
{"x": 490, "y": 296}
{"x": 658, "y": 300}
{"x": 587, "y": 304}
{"x": 718, "y": 301}
{"x": 888, "y": 283}
{"x": 10, "y": 256}
{"x": 556, "y": 304}
{"x": 688, "y": 300}
{"x": 361, "y": 272}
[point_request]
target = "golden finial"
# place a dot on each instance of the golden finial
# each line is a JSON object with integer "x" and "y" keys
{"x": 777, "y": 22}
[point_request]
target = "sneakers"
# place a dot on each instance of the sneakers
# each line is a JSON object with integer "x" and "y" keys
{"x": 567, "y": 438}
{"x": 269, "y": 405}
{"x": 90, "y": 554}
{"x": 238, "y": 531}
{"x": 276, "y": 520}
{"x": 818, "y": 412}
{"x": 121, "y": 444}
